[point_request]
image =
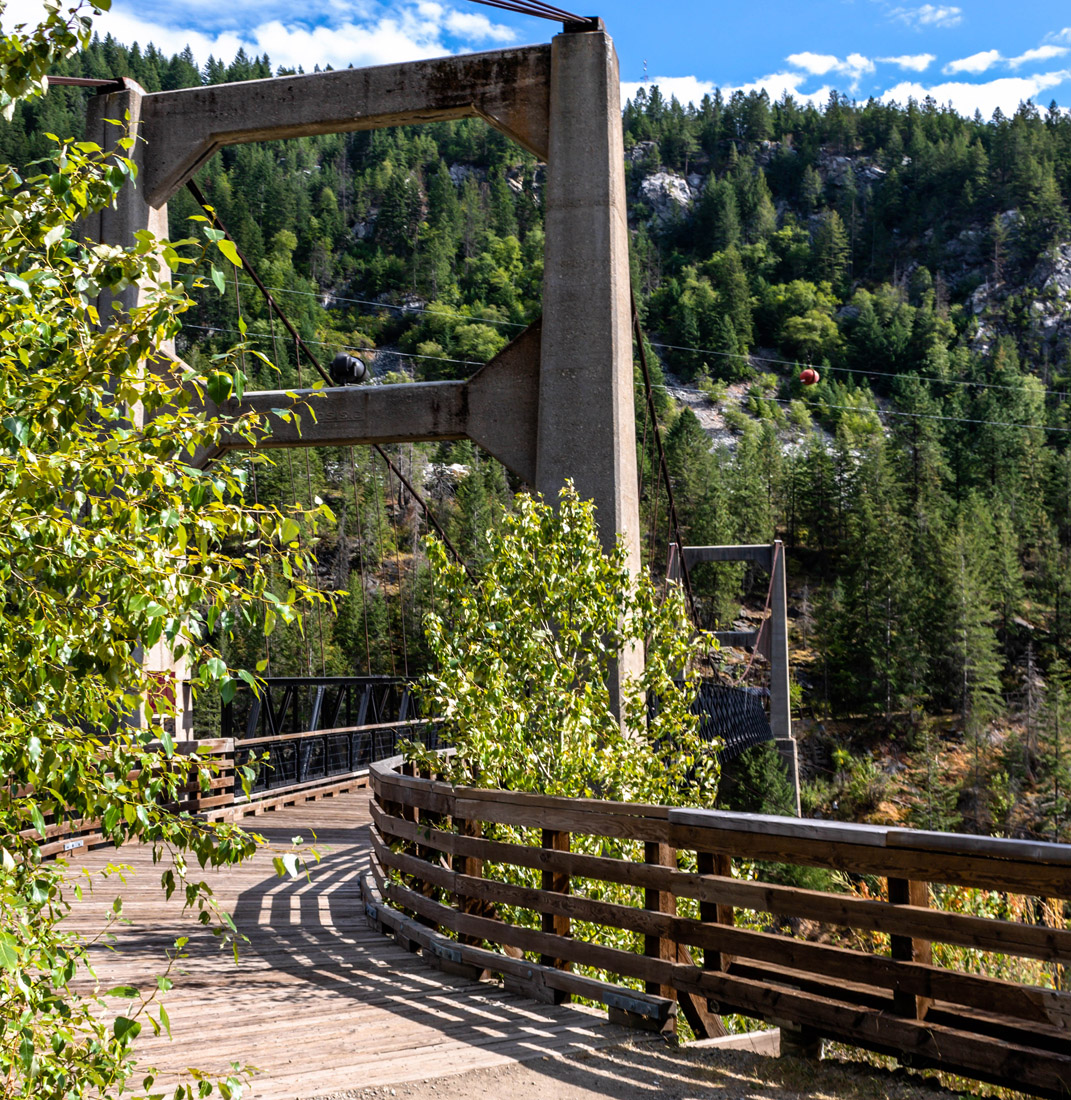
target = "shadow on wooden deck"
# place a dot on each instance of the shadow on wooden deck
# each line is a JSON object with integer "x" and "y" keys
{"x": 317, "y": 1001}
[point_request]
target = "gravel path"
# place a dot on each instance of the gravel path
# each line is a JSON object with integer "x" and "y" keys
{"x": 655, "y": 1070}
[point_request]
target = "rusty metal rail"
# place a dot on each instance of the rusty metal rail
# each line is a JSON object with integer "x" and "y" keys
{"x": 898, "y": 967}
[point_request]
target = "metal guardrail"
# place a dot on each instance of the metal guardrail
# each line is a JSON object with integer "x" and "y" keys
{"x": 290, "y": 761}
{"x": 867, "y": 973}
{"x": 302, "y": 704}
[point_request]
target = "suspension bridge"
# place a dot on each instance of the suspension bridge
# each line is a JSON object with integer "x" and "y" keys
{"x": 421, "y": 941}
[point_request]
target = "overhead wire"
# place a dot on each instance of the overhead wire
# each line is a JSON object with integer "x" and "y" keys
{"x": 402, "y": 308}
{"x": 739, "y": 356}
{"x": 670, "y": 388}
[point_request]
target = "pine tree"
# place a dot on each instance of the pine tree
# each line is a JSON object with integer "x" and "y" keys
{"x": 1054, "y": 758}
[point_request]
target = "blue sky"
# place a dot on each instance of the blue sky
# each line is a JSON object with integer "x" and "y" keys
{"x": 976, "y": 54}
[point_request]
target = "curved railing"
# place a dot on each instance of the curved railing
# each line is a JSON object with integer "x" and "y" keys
{"x": 282, "y": 769}
{"x": 433, "y": 845}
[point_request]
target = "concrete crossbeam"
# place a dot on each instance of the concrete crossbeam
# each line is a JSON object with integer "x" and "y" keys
{"x": 495, "y": 408}
{"x": 183, "y": 128}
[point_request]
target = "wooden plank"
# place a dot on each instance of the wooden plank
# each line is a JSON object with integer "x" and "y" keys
{"x": 556, "y": 882}
{"x": 565, "y": 820}
{"x": 999, "y": 847}
{"x": 639, "y": 1004}
{"x": 1021, "y": 878}
{"x": 656, "y": 945}
{"x": 1040, "y": 1007}
{"x": 280, "y": 738}
{"x": 318, "y": 1001}
{"x": 909, "y": 948}
{"x": 1022, "y": 867}
{"x": 976, "y": 1056}
{"x": 1007, "y": 937}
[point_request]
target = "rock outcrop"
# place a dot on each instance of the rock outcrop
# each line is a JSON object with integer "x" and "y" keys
{"x": 668, "y": 195}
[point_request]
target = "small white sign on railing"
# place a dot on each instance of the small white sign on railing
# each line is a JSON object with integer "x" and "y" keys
{"x": 70, "y": 845}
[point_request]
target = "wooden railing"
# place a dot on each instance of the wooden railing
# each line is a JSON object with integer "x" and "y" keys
{"x": 287, "y": 768}
{"x": 864, "y": 971}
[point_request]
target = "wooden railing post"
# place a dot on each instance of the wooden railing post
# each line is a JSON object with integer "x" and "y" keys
{"x": 711, "y": 863}
{"x": 661, "y": 901}
{"x": 473, "y": 868}
{"x": 556, "y": 923}
{"x": 904, "y": 891}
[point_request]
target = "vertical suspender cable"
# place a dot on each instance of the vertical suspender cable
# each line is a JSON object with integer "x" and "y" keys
{"x": 379, "y": 532}
{"x": 685, "y": 573}
{"x": 401, "y": 580}
{"x": 360, "y": 558}
{"x": 256, "y": 503}
{"x": 308, "y": 487}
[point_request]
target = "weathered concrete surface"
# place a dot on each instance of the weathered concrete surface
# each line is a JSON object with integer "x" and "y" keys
{"x": 119, "y": 224}
{"x": 556, "y": 404}
{"x": 183, "y": 128}
{"x": 495, "y": 408}
{"x": 586, "y": 406}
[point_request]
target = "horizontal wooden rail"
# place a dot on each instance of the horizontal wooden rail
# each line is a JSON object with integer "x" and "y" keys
{"x": 288, "y": 768}
{"x": 864, "y": 972}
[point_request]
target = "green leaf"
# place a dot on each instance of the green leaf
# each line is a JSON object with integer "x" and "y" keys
{"x": 125, "y": 1029}
{"x": 9, "y": 951}
{"x": 129, "y": 992}
{"x": 227, "y": 248}
{"x": 218, "y": 280}
{"x": 18, "y": 427}
{"x": 219, "y": 386}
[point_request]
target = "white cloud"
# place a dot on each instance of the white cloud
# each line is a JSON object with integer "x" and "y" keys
{"x": 477, "y": 28}
{"x": 854, "y": 66}
{"x": 929, "y": 15}
{"x": 915, "y": 62}
{"x": 1006, "y": 92}
{"x": 356, "y": 32}
{"x": 981, "y": 62}
{"x": 690, "y": 89}
{"x": 1042, "y": 53}
{"x": 818, "y": 64}
{"x": 976, "y": 63}
{"x": 1059, "y": 36}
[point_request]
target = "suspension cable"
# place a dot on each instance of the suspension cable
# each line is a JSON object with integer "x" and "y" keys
{"x": 301, "y": 344}
{"x": 360, "y": 559}
{"x": 663, "y": 467}
{"x": 379, "y": 533}
{"x": 401, "y": 576}
{"x": 538, "y": 9}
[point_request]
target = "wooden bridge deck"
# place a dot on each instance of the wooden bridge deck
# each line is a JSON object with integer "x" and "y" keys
{"x": 317, "y": 1001}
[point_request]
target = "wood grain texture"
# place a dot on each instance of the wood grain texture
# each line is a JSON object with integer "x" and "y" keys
{"x": 318, "y": 1001}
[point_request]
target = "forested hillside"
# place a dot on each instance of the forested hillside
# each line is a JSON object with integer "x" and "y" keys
{"x": 921, "y": 261}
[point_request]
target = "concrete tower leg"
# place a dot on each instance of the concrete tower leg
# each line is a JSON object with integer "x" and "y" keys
{"x": 119, "y": 225}
{"x": 586, "y": 401}
{"x": 586, "y": 425}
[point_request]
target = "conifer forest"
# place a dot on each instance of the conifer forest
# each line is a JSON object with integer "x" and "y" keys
{"x": 920, "y": 261}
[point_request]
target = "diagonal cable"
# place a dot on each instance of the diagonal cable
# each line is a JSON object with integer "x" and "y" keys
{"x": 535, "y": 8}
{"x": 300, "y": 343}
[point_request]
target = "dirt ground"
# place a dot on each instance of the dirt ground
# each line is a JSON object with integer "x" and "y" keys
{"x": 646, "y": 1070}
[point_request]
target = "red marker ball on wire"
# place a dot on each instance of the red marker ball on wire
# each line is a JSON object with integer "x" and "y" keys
{"x": 810, "y": 376}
